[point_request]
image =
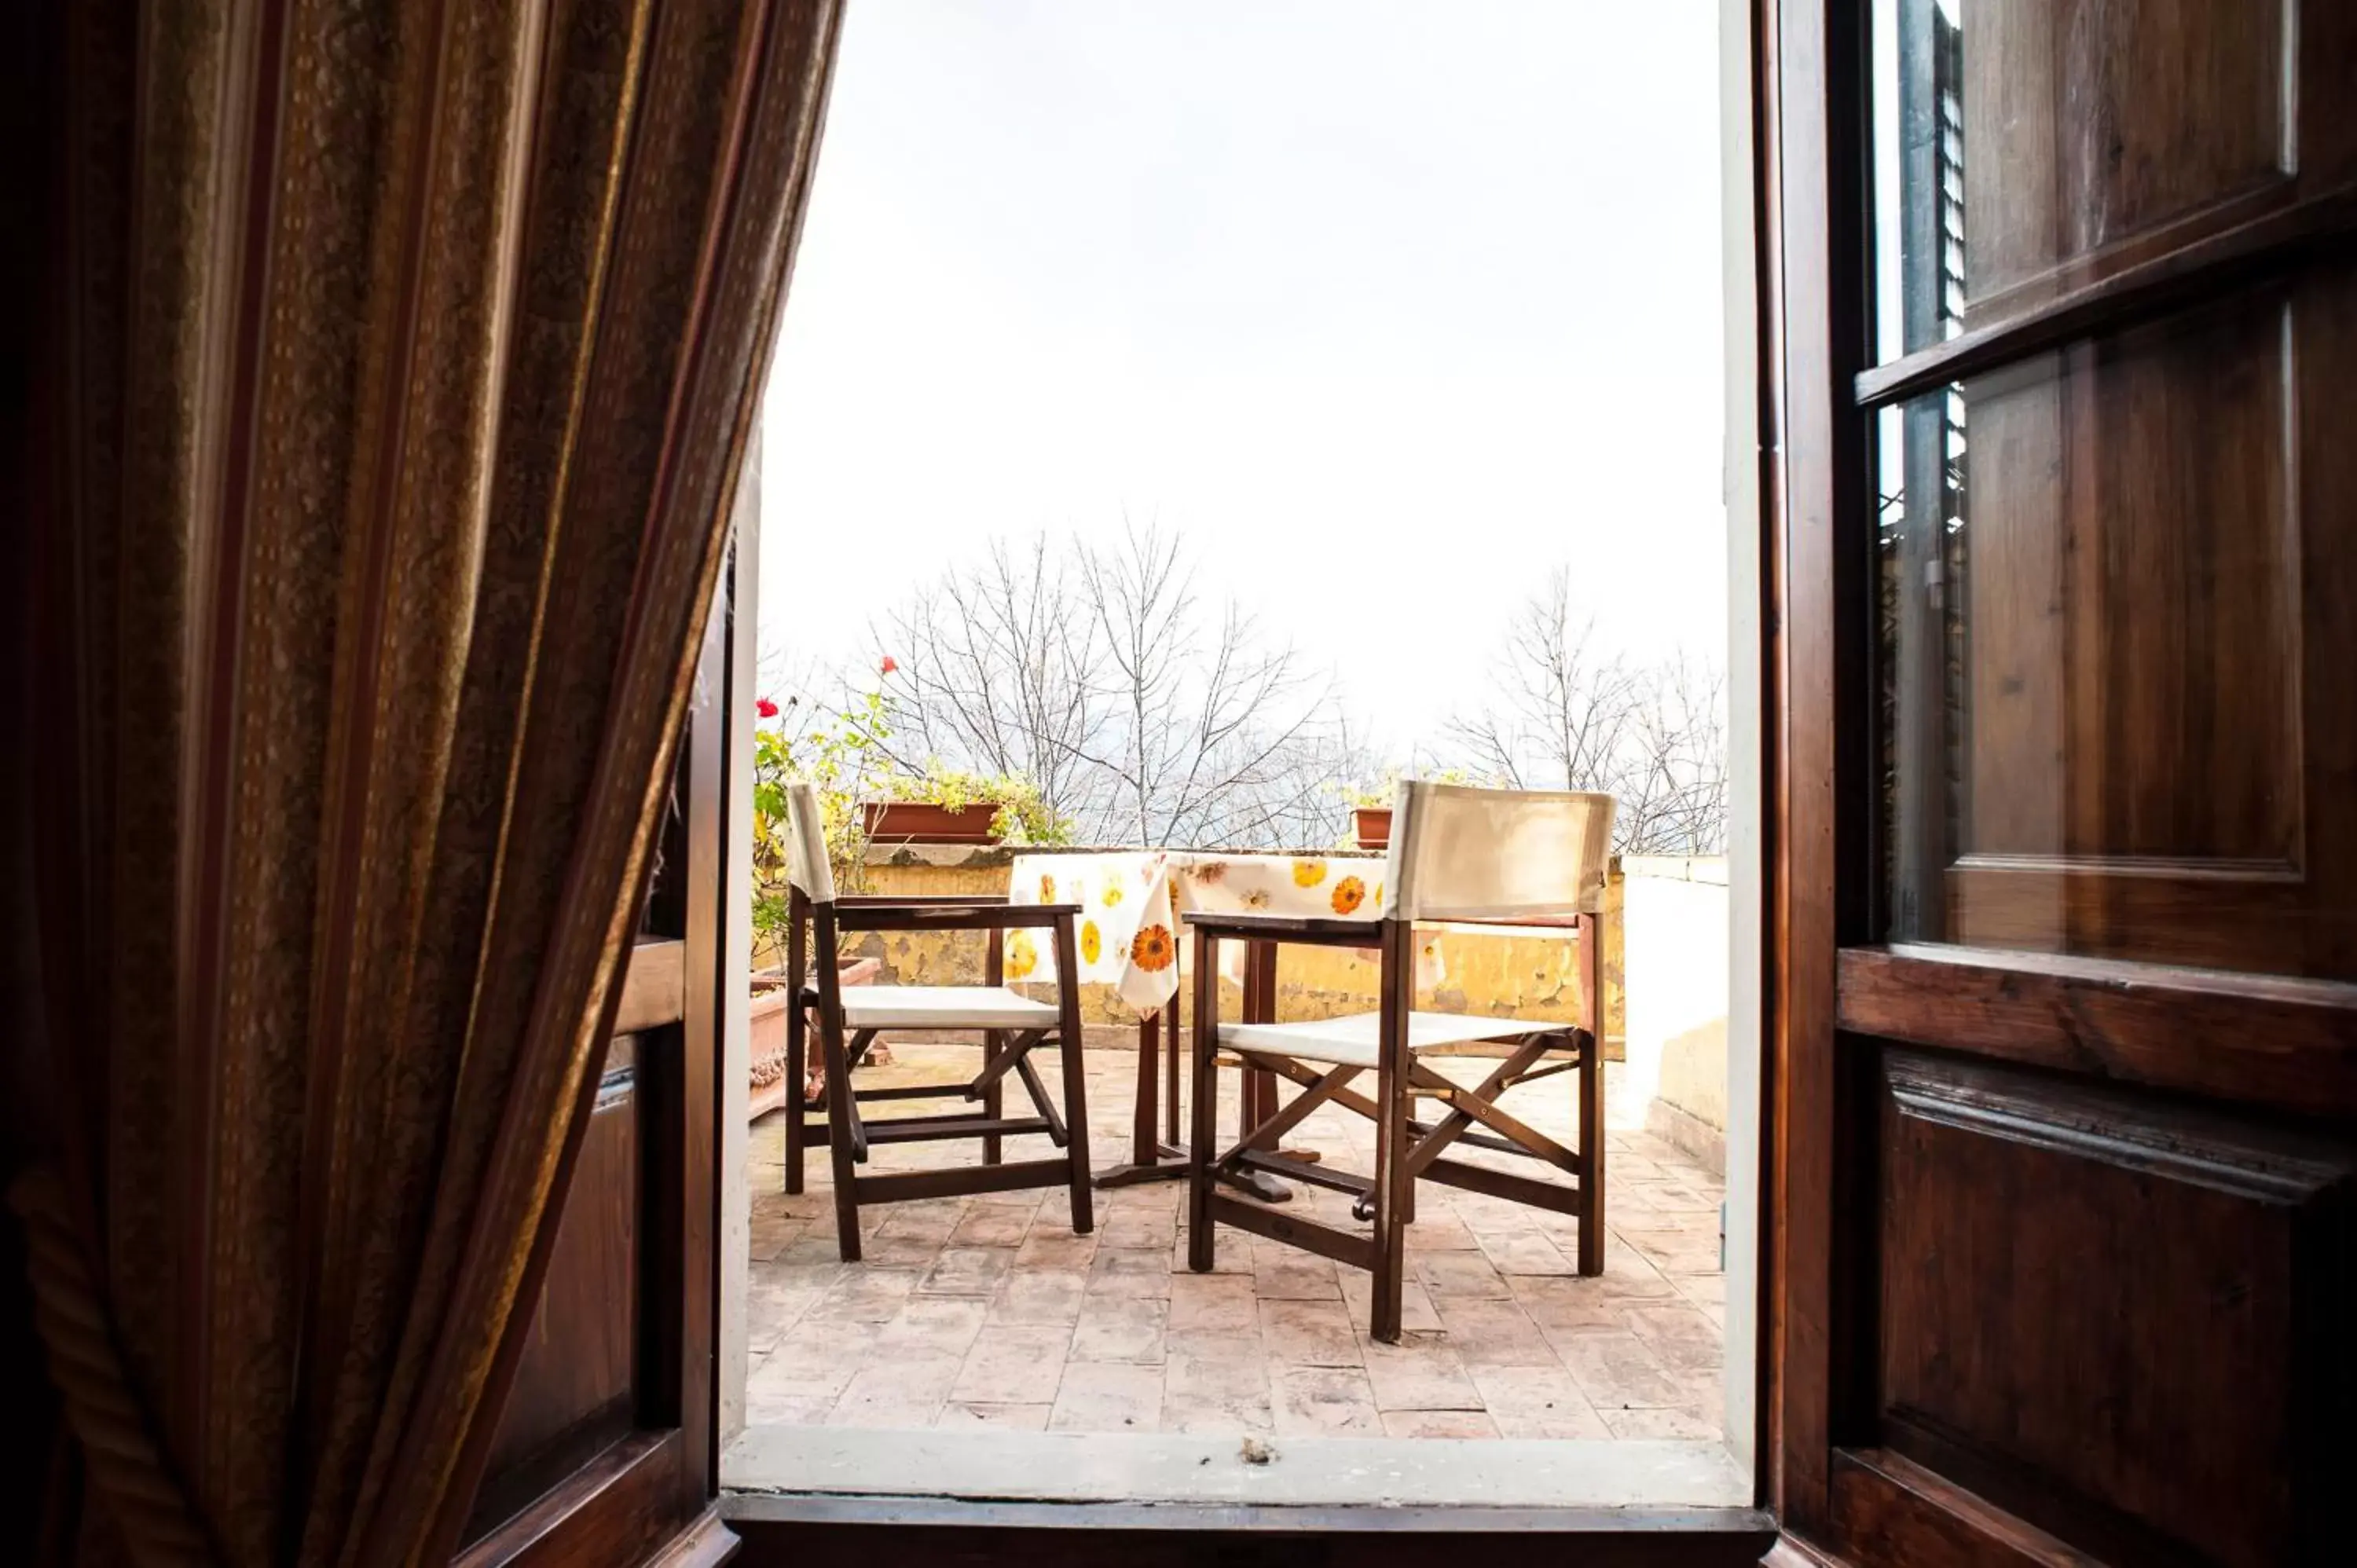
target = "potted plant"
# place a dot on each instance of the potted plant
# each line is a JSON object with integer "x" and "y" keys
{"x": 1371, "y": 813}
{"x": 1371, "y": 805}
{"x": 944, "y": 806}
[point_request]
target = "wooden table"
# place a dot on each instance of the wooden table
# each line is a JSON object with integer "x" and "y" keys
{"x": 1131, "y": 900}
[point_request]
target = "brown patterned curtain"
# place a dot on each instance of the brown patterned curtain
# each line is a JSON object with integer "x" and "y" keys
{"x": 397, "y": 364}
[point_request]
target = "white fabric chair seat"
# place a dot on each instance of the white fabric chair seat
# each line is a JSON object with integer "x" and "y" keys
{"x": 1353, "y": 1040}
{"x": 942, "y": 1008}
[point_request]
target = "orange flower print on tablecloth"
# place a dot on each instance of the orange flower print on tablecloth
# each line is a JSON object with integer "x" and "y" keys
{"x": 1022, "y": 955}
{"x": 1308, "y": 872}
{"x": 1091, "y": 941}
{"x": 1211, "y": 873}
{"x": 1348, "y": 894}
{"x": 1046, "y": 888}
{"x": 1153, "y": 950}
{"x": 1112, "y": 894}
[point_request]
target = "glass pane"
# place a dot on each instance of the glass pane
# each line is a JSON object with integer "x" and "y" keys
{"x": 2115, "y": 711}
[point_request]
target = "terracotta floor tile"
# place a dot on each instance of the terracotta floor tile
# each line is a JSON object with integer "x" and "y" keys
{"x": 1324, "y": 1402}
{"x": 1524, "y": 1252}
{"x": 1212, "y": 1386}
{"x": 1039, "y": 1297}
{"x": 1438, "y": 1228}
{"x": 1464, "y": 1275}
{"x": 968, "y": 1270}
{"x": 994, "y": 1225}
{"x": 806, "y": 1367}
{"x": 1674, "y": 1249}
{"x": 1416, "y": 1313}
{"x": 1616, "y": 1371}
{"x": 1681, "y": 1338}
{"x": 897, "y": 1391}
{"x": 1120, "y": 1329}
{"x": 1108, "y": 1396}
{"x": 1670, "y": 1423}
{"x": 1703, "y": 1290}
{"x": 937, "y": 1326}
{"x": 1288, "y": 1274}
{"x": 1423, "y": 1375}
{"x": 1487, "y": 1333}
{"x": 1132, "y": 1271}
{"x": 1140, "y": 1227}
{"x": 932, "y": 1219}
{"x": 1554, "y": 1302}
{"x": 1055, "y": 1247}
{"x": 1536, "y": 1401}
{"x": 1013, "y": 1364}
{"x": 1438, "y": 1424}
{"x": 1308, "y": 1334}
{"x": 1230, "y": 1254}
{"x": 1214, "y": 1304}
{"x": 885, "y": 1252}
{"x": 961, "y": 1417}
{"x": 864, "y": 1296}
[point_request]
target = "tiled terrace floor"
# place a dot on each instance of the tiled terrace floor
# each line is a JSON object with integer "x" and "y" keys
{"x": 988, "y": 1312}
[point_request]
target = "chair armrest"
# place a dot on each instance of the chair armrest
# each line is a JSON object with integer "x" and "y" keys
{"x": 1291, "y": 929}
{"x": 956, "y": 915}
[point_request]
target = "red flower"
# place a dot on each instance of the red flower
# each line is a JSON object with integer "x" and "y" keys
{"x": 890, "y": 664}
{"x": 766, "y": 708}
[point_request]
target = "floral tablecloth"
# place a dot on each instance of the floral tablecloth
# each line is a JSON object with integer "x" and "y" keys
{"x": 1131, "y": 899}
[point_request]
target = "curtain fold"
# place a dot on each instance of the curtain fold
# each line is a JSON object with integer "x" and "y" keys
{"x": 401, "y": 359}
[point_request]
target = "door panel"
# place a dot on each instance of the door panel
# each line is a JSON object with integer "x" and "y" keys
{"x": 2096, "y": 1299}
{"x": 573, "y": 1387}
{"x": 2154, "y": 558}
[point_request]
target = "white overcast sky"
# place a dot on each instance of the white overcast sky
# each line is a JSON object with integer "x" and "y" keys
{"x": 1390, "y": 308}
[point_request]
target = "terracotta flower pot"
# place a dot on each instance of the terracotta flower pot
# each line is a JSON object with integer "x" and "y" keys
{"x": 768, "y": 1032}
{"x": 1372, "y": 824}
{"x": 923, "y": 821}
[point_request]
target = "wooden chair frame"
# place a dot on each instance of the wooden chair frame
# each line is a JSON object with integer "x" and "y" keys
{"x": 1405, "y": 1148}
{"x": 847, "y": 1136}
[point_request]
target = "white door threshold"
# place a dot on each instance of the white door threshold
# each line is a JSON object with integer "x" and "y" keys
{"x": 1265, "y": 1471}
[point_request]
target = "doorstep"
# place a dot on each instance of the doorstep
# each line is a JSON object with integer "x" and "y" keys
{"x": 1095, "y": 1468}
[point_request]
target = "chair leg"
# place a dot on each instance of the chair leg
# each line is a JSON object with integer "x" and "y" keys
{"x": 1395, "y": 1188}
{"x": 838, "y": 1143}
{"x": 797, "y": 1040}
{"x": 993, "y": 1097}
{"x": 1203, "y": 1129}
{"x": 1076, "y": 1077}
{"x": 797, "y": 1075}
{"x": 1591, "y": 1157}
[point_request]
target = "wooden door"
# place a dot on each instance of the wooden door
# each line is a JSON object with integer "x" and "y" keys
{"x": 2066, "y": 873}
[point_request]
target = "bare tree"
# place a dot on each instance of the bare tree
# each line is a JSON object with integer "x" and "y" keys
{"x": 1569, "y": 714}
{"x": 1214, "y": 727}
{"x": 1143, "y": 712}
{"x": 997, "y": 672}
{"x": 1672, "y": 783}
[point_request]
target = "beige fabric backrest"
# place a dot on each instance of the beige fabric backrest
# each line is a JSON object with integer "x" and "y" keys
{"x": 807, "y": 867}
{"x": 1463, "y": 853}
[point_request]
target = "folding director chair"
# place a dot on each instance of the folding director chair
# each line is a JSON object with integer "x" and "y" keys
{"x": 1011, "y": 1027}
{"x": 1458, "y": 854}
